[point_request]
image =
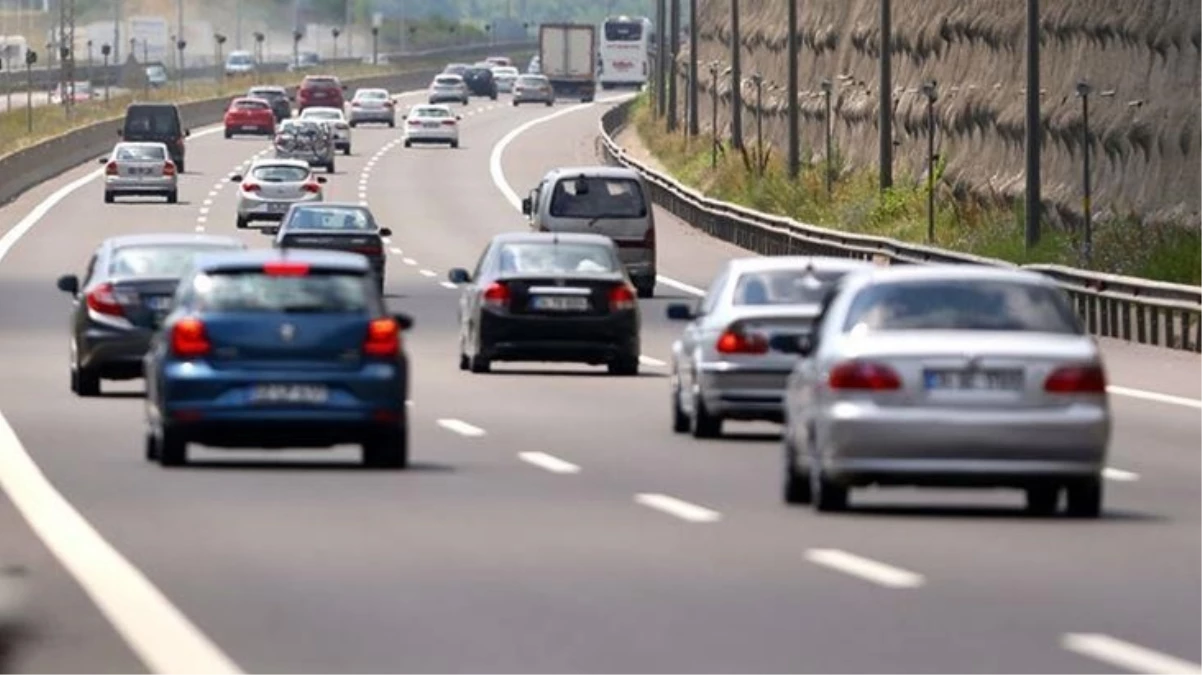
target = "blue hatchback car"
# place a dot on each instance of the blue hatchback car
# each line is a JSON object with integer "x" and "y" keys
{"x": 278, "y": 349}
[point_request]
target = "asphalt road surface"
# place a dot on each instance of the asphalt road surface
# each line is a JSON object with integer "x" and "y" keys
{"x": 551, "y": 522}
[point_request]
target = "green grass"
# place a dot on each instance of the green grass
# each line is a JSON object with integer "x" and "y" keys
{"x": 1164, "y": 252}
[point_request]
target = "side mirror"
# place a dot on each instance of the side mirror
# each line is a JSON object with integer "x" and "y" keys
{"x": 404, "y": 321}
{"x": 270, "y": 229}
{"x": 385, "y": 232}
{"x": 69, "y": 283}
{"x": 679, "y": 311}
{"x": 103, "y": 160}
{"x": 459, "y": 276}
{"x": 806, "y": 344}
{"x": 236, "y": 178}
{"x": 527, "y": 206}
{"x": 322, "y": 180}
{"x": 459, "y": 117}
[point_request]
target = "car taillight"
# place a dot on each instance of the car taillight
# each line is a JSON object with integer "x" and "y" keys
{"x": 103, "y": 300}
{"x": 448, "y": 123}
{"x": 179, "y": 142}
{"x": 311, "y": 187}
{"x": 383, "y": 338}
{"x": 110, "y": 169}
{"x": 189, "y": 338}
{"x": 388, "y": 104}
{"x": 368, "y": 250}
{"x": 285, "y": 268}
{"x": 649, "y": 238}
{"x": 863, "y": 375}
{"x": 497, "y": 295}
{"x": 621, "y": 298}
{"x": 734, "y": 341}
{"x": 251, "y": 187}
{"x": 169, "y": 168}
{"x": 1076, "y": 380}
{"x": 415, "y": 123}
{"x": 356, "y": 104}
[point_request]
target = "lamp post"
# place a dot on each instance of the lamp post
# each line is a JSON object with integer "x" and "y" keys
{"x": 146, "y": 62}
{"x": 714, "y": 114}
{"x": 334, "y": 33}
{"x": 885, "y": 99}
{"x": 694, "y": 123}
{"x": 220, "y": 40}
{"x": 736, "y": 78}
{"x": 31, "y": 57}
{"x": 827, "y": 87}
{"x": 929, "y": 91}
{"x": 375, "y": 45}
{"x": 181, "y": 44}
{"x": 661, "y": 48}
{"x": 296, "y": 38}
{"x": 105, "y": 51}
{"x": 794, "y": 111}
{"x": 670, "y": 65}
{"x": 259, "y": 38}
{"x": 1033, "y": 123}
{"x": 68, "y": 91}
{"x": 7, "y": 64}
{"x": 758, "y": 81}
{"x": 488, "y": 33}
{"x": 91, "y": 63}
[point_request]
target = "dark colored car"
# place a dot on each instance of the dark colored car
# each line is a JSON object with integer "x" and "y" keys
{"x": 277, "y": 349}
{"x": 548, "y": 297}
{"x": 276, "y": 97}
{"x": 333, "y": 226}
{"x": 156, "y": 122}
{"x": 480, "y": 81}
{"x": 324, "y": 91}
{"x": 124, "y": 294}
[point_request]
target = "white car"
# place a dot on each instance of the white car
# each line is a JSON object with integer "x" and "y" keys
{"x": 448, "y": 87}
{"x": 505, "y": 76}
{"x": 372, "y": 106}
{"x": 239, "y": 63}
{"x": 336, "y": 120}
{"x": 272, "y": 186}
{"x": 431, "y": 124}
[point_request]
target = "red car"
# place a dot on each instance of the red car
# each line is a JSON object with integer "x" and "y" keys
{"x": 324, "y": 91}
{"x": 249, "y": 116}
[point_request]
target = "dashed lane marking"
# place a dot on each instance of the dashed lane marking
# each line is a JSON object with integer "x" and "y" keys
{"x": 1125, "y": 655}
{"x": 409, "y": 261}
{"x": 650, "y": 362}
{"x": 679, "y": 508}
{"x": 870, "y": 570}
{"x": 394, "y": 250}
{"x": 428, "y": 273}
{"x": 448, "y": 285}
{"x": 460, "y": 427}
{"x": 1118, "y": 475}
{"x": 549, "y": 462}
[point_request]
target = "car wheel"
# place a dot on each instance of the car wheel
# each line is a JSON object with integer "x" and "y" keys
{"x": 464, "y": 362}
{"x": 228, "y": 135}
{"x": 465, "y": 101}
{"x": 108, "y": 198}
{"x": 388, "y": 450}
{"x": 454, "y": 144}
{"x": 347, "y": 151}
{"x": 179, "y": 166}
{"x": 550, "y": 103}
{"x": 84, "y": 383}
{"x": 173, "y": 448}
{"x": 646, "y": 290}
{"x": 1042, "y": 500}
{"x": 515, "y": 104}
{"x": 152, "y": 447}
{"x": 392, "y": 124}
{"x": 625, "y": 366}
{"x": 1085, "y": 498}
{"x": 680, "y": 421}
{"x": 173, "y": 197}
{"x": 797, "y": 488}
{"x": 479, "y": 363}
{"x": 408, "y": 143}
{"x": 705, "y": 425}
{"x": 827, "y": 496}
{"x": 354, "y": 125}
{"x": 330, "y": 167}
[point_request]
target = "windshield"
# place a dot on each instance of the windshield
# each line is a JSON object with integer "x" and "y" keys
{"x": 548, "y": 258}
{"x": 784, "y": 287}
{"x": 156, "y": 71}
{"x": 598, "y": 198}
{"x": 246, "y": 104}
{"x": 141, "y": 153}
{"x": 267, "y": 94}
{"x": 332, "y": 219}
{"x": 447, "y": 81}
{"x": 279, "y": 173}
{"x": 257, "y": 292}
{"x": 151, "y": 120}
{"x": 962, "y": 305}
{"x": 171, "y": 261}
{"x": 623, "y": 31}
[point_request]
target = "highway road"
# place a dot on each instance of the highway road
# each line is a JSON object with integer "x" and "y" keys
{"x": 551, "y": 522}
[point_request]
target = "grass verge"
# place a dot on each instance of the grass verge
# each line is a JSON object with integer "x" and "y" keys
{"x": 1121, "y": 245}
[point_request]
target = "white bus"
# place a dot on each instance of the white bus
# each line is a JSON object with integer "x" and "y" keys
{"x": 625, "y": 53}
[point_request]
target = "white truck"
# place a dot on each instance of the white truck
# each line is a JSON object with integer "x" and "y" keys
{"x": 568, "y": 58}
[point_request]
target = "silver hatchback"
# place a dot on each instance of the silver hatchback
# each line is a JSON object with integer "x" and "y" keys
{"x": 372, "y": 106}
{"x": 956, "y": 376}
{"x": 533, "y": 89}
{"x": 140, "y": 170}
{"x": 272, "y": 186}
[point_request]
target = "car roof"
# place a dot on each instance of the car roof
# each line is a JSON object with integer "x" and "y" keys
{"x": 172, "y": 239}
{"x": 133, "y": 107}
{"x": 126, "y": 144}
{"x": 951, "y": 272}
{"x": 337, "y": 260}
{"x": 321, "y": 108}
{"x": 280, "y": 161}
{"x": 553, "y": 237}
{"x": 599, "y": 171}
{"x": 456, "y": 76}
{"x": 268, "y": 88}
{"x": 790, "y": 262}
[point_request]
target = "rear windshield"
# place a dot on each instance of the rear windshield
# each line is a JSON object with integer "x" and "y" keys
{"x": 456, "y": 68}
{"x": 141, "y": 153}
{"x": 305, "y": 127}
{"x": 152, "y": 121}
{"x": 321, "y": 114}
{"x": 374, "y": 94}
{"x": 505, "y": 71}
{"x": 623, "y": 31}
{"x": 431, "y": 112}
{"x": 279, "y": 174}
{"x": 540, "y": 258}
{"x": 784, "y": 287}
{"x": 529, "y": 81}
{"x": 257, "y": 292}
{"x": 320, "y": 83}
{"x": 250, "y": 105}
{"x": 447, "y": 81}
{"x": 267, "y": 94}
{"x": 332, "y": 219}
{"x": 171, "y": 261}
{"x": 240, "y": 59}
{"x": 478, "y": 72}
{"x": 962, "y": 305}
{"x": 598, "y": 198}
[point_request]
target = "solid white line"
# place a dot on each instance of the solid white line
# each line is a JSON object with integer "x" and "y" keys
{"x": 1125, "y": 655}
{"x": 448, "y": 285}
{"x": 864, "y": 568}
{"x": 460, "y": 427}
{"x": 548, "y": 462}
{"x": 648, "y": 361}
{"x": 1153, "y": 396}
{"x": 429, "y": 273}
{"x": 679, "y": 508}
{"x": 409, "y": 261}
{"x": 1119, "y": 475}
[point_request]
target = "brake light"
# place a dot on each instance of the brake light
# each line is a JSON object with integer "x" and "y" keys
{"x": 285, "y": 268}
{"x": 738, "y": 342}
{"x": 169, "y": 168}
{"x": 1076, "y": 380}
{"x": 103, "y": 300}
{"x": 368, "y": 250}
{"x": 649, "y": 238}
{"x": 356, "y": 104}
{"x": 251, "y": 187}
{"x": 311, "y": 187}
{"x": 110, "y": 169}
{"x": 414, "y": 123}
{"x": 388, "y": 104}
{"x": 448, "y": 123}
{"x": 383, "y": 338}
{"x": 621, "y": 298}
{"x": 497, "y": 295}
{"x": 863, "y": 375}
{"x": 189, "y": 338}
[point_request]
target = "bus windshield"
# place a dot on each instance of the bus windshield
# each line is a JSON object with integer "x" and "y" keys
{"x": 623, "y": 31}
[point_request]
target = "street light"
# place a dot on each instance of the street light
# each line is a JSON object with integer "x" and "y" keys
{"x": 827, "y": 87}
{"x": 220, "y": 40}
{"x": 714, "y": 113}
{"x": 68, "y": 88}
{"x": 181, "y": 44}
{"x": 929, "y": 91}
{"x": 31, "y": 57}
{"x": 794, "y": 112}
{"x": 296, "y": 38}
{"x": 259, "y": 38}
{"x": 105, "y": 51}
{"x": 335, "y": 32}
{"x": 91, "y": 74}
{"x": 758, "y": 81}
{"x": 375, "y": 45}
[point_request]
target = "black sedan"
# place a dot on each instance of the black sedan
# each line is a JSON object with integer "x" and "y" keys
{"x": 128, "y": 288}
{"x": 335, "y": 227}
{"x": 480, "y": 81}
{"x": 551, "y": 298}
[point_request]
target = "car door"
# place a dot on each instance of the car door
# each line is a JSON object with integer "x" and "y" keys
{"x": 469, "y": 299}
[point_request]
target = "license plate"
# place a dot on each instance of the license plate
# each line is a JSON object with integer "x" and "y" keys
{"x": 159, "y": 303}
{"x": 973, "y": 380}
{"x": 249, "y": 127}
{"x": 290, "y": 393}
{"x": 140, "y": 171}
{"x": 553, "y": 303}
{"x": 431, "y": 125}
{"x": 278, "y": 207}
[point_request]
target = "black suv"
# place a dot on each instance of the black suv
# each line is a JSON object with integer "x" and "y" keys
{"x": 480, "y": 81}
{"x": 277, "y": 98}
{"x": 156, "y": 122}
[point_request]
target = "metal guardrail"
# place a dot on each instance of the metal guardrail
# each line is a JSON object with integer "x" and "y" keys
{"x": 1125, "y": 308}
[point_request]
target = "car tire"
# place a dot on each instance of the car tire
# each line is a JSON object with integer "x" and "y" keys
{"x": 347, "y": 151}
{"x": 464, "y": 362}
{"x": 680, "y": 421}
{"x": 479, "y": 364}
{"x": 465, "y": 101}
{"x": 228, "y": 135}
{"x": 85, "y": 383}
{"x": 179, "y": 166}
{"x": 173, "y": 197}
{"x": 1042, "y": 500}
{"x": 330, "y": 167}
{"x": 797, "y": 488}
{"x": 550, "y": 103}
{"x": 646, "y": 290}
{"x": 108, "y": 198}
{"x": 624, "y": 366}
{"x": 392, "y": 124}
{"x": 454, "y": 145}
{"x": 515, "y": 104}
{"x": 151, "y": 447}
{"x": 826, "y": 495}
{"x": 703, "y": 424}
{"x": 1085, "y": 498}
{"x": 173, "y": 448}
{"x": 388, "y": 450}
{"x": 408, "y": 143}
{"x": 353, "y": 125}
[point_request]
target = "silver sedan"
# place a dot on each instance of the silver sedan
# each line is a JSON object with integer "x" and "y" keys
{"x": 533, "y": 89}
{"x": 948, "y": 376}
{"x": 272, "y": 186}
{"x": 372, "y": 106}
{"x": 735, "y": 356}
{"x": 140, "y": 170}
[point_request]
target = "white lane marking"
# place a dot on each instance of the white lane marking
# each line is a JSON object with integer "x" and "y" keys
{"x": 460, "y": 427}
{"x": 679, "y": 508}
{"x": 363, "y": 202}
{"x": 679, "y": 285}
{"x": 161, "y": 636}
{"x": 204, "y": 210}
{"x": 448, "y": 285}
{"x": 1153, "y": 396}
{"x": 1125, "y": 655}
{"x": 864, "y": 568}
{"x": 202, "y": 219}
{"x": 394, "y": 250}
{"x": 548, "y": 462}
{"x": 200, "y": 228}
{"x": 409, "y": 261}
{"x": 212, "y": 193}
{"x": 428, "y": 273}
{"x": 648, "y": 361}
{"x": 1111, "y": 473}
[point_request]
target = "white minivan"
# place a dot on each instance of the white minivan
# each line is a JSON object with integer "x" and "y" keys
{"x": 611, "y": 201}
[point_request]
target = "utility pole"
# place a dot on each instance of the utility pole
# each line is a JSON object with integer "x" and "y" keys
{"x": 885, "y": 123}
{"x": 67, "y": 16}
{"x": 237, "y": 24}
{"x": 673, "y": 53}
{"x": 694, "y": 123}
{"x": 1034, "y": 197}
{"x": 116, "y": 32}
{"x": 179, "y": 32}
{"x": 794, "y": 112}
{"x": 736, "y": 79}
{"x": 661, "y": 56}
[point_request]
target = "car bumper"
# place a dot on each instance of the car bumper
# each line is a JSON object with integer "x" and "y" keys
{"x": 592, "y": 339}
{"x": 360, "y": 115}
{"x": 432, "y": 135}
{"x": 140, "y": 186}
{"x": 863, "y": 442}
{"x": 267, "y": 209}
{"x": 112, "y": 353}
{"x": 533, "y": 98}
{"x": 737, "y": 392}
{"x": 444, "y": 98}
{"x": 237, "y": 128}
{"x": 639, "y": 262}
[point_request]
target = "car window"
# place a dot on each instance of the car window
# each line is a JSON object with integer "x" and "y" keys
{"x": 374, "y": 95}
{"x": 333, "y": 219}
{"x": 240, "y": 59}
{"x": 152, "y": 121}
{"x": 258, "y": 292}
{"x": 598, "y": 198}
{"x": 783, "y": 287}
{"x": 276, "y": 173}
{"x": 91, "y": 269}
{"x": 250, "y": 105}
{"x": 548, "y": 258}
{"x": 320, "y": 83}
{"x": 715, "y": 291}
{"x": 266, "y": 94}
{"x": 156, "y": 261}
{"x": 447, "y": 81}
{"x": 986, "y": 305}
{"x": 141, "y": 153}
{"x": 529, "y": 81}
